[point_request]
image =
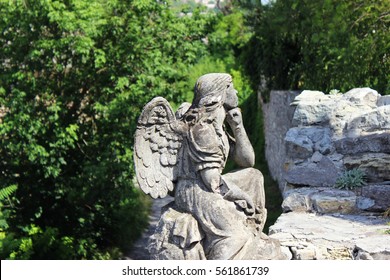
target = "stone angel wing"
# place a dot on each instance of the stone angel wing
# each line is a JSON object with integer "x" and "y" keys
{"x": 157, "y": 145}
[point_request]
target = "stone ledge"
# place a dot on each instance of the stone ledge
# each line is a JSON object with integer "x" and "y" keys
{"x": 325, "y": 237}
{"x": 323, "y": 200}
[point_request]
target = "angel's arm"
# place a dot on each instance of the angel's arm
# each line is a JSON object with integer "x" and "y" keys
{"x": 242, "y": 152}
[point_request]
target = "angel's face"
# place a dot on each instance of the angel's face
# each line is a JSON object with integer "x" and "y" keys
{"x": 231, "y": 97}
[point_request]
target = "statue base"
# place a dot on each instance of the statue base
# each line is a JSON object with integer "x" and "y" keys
{"x": 179, "y": 237}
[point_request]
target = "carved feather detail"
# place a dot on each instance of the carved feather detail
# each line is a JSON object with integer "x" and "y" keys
{"x": 157, "y": 144}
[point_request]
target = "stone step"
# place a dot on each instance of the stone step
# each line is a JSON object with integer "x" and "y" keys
{"x": 309, "y": 236}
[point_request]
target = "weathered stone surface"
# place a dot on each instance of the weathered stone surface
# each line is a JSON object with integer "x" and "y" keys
{"x": 265, "y": 248}
{"x": 375, "y": 165}
{"x": 357, "y": 135}
{"x": 372, "y": 249}
{"x": 383, "y": 101}
{"x": 301, "y": 142}
{"x": 313, "y": 111}
{"x": 298, "y": 145}
{"x": 182, "y": 155}
{"x": 321, "y": 174}
{"x": 374, "y": 143}
{"x": 376, "y": 120}
{"x": 311, "y": 236}
{"x": 362, "y": 96}
{"x": 379, "y": 194}
{"x": 334, "y": 201}
{"x": 296, "y": 202}
{"x": 277, "y": 121}
{"x": 320, "y": 200}
{"x": 165, "y": 245}
{"x": 308, "y": 96}
{"x": 139, "y": 250}
{"x": 364, "y": 203}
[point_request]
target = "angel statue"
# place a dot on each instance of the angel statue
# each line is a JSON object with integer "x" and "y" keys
{"x": 213, "y": 215}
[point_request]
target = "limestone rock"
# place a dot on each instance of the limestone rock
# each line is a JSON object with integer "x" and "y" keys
{"x": 383, "y": 101}
{"x": 374, "y": 143}
{"x": 379, "y": 195}
{"x": 265, "y": 248}
{"x": 308, "y": 96}
{"x": 301, "y": 142}
{"x": 362, "y": 96}
{"x": 334, "y": 201}
{"x": 364, "y": 203}
{"x": 375, "y": 165}
{"x": 298, "y": 145}
{"x": 321, "y": 174}
{"x": 313, "y": 107}
{"x": 376, "y": 120}
{"x": 343, "y": 112}
{"x": 372, "y": 249}
{"x": 295, "y": 202}
{"x": 310, "y": 236}
{"x": 319, "y": 200}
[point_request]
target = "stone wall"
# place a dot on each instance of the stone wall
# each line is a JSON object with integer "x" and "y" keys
{"x": 311, "y": 140}
{"x": 278, "y": 115}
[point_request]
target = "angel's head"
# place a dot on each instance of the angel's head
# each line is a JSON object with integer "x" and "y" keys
{"x": 213, "y": 91}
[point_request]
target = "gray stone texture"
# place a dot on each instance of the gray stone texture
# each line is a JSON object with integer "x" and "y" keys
{"x": 362, "y": 96}
{"x": 379, "y": 195}
{"x": 309, "y": 236}
{"x": 373, "y": 143}
{"x": 328, "y": 135}
{"x": 375, "y": 165}
{"x": 383, "y": 101}
{"x": 321, "y": 174}
{"x": 278, "y": 116}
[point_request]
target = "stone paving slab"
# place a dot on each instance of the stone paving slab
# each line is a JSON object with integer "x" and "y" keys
{"x": 309, "y": 236}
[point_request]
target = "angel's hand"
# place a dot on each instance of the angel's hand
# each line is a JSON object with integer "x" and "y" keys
{"x": 234, "y": 118}
{"x": 241, "y": 198}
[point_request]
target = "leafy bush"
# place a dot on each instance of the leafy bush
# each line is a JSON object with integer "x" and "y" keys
{"x": 351, "y": 179}
{"x": 74, "y": 77}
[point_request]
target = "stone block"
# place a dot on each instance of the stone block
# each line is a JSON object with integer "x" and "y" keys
{"x": 374, "y": 143}
{"x": 321, "y": 174}
{"x": 296, "y": 202}
{"x": 362, "y": 96}
{"x": 314, "y": 113}
{"x": 332, "y": 237}
{"x": 298, "y": 145}
{"x": 383, "y": 101}
{"x": 364, "y": 203}
{"x": 301, "y": 142}
{"x": 376, "y": 120}
{"x": 334, "y": 201}
{"x": 375, "y": 165}
{"x": 375, "y": 248}
{"x": 307, "y": 96}
{"x": 379, "y": 194}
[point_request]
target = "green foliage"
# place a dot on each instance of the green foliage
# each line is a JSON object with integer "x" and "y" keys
{"x": 351, "y": 179}
{"x": 74, "y": 77}
{"x": 317, "y": 44}
{"x": 6, "y": 192}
